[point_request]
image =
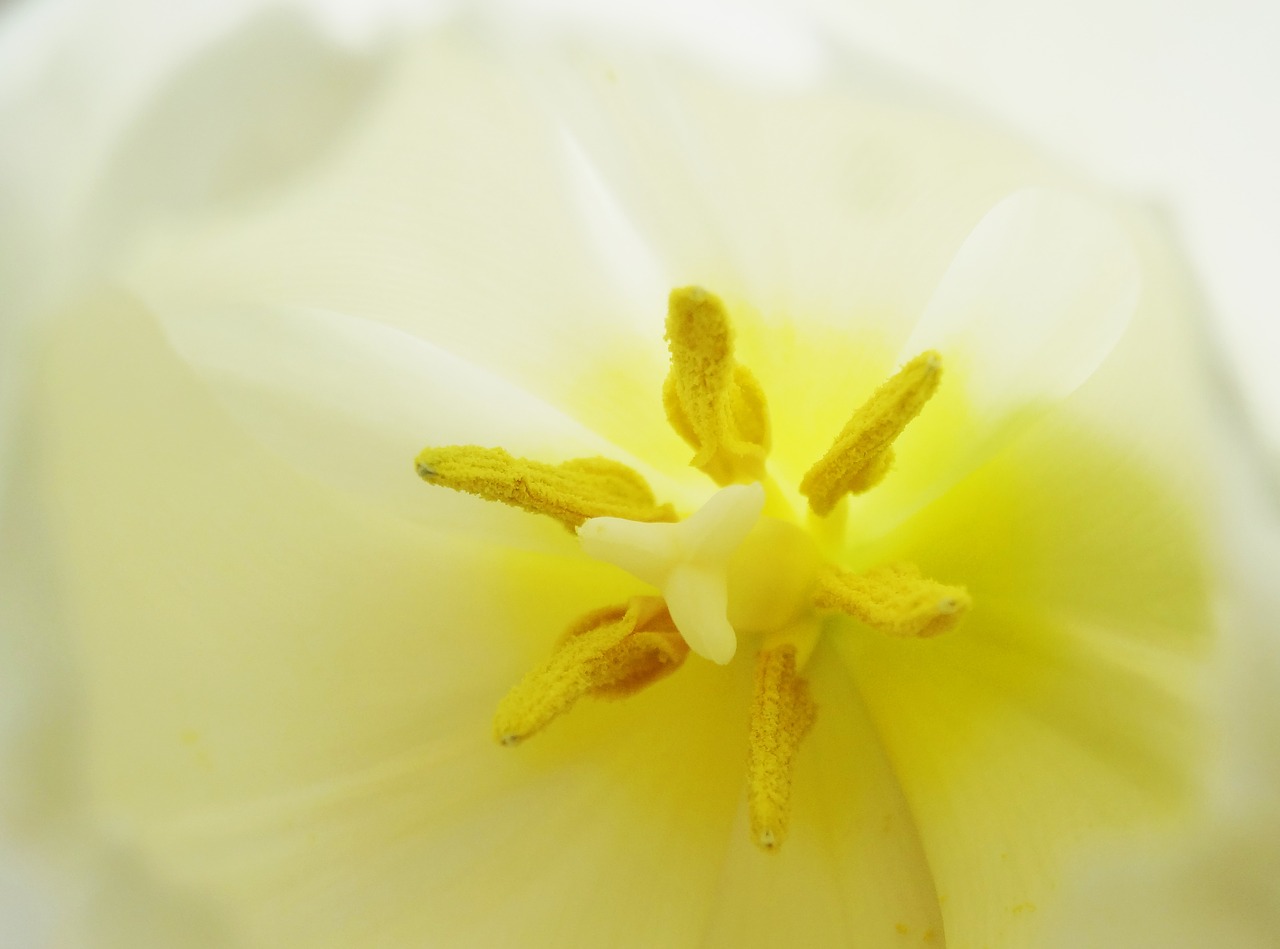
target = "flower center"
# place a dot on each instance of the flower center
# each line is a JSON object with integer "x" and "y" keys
{"x": 738, "y": 568}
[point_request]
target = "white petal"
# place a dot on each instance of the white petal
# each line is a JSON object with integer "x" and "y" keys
{"x": 454, "y": 215}
{"x": 140, "y": 114}
{"x": 1034, "y": 300}
{"x": 837, "y": 202}
{"x": 351, "y": 402}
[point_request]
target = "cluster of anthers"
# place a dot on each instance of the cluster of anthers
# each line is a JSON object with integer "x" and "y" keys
{"x": 739, "y": 566}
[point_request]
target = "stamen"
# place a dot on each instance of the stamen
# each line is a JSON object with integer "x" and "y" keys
{"x": 570, "y": 492}
{"x": 782, "y": 712}
{"x": 862, "y": 454}
{"x": 688, "y": 561}
{"x": 893, "y": 599}
{"x": 714, "y": 404}
{"x": 610, "y": 653}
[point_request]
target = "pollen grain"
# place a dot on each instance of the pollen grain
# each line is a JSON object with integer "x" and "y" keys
{"x": 609, "y": 653}
{"x": 894, "y": 599}
{"x": 572, "y": 492}
{"x": 716, "y": 405}
{"x": 782, "y": 712}
{"x": 862, "y": 453}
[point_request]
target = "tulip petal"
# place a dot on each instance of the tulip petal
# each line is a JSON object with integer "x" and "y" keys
{"x": 1036, "y": 298}
{"x": 246, "y": 635}
{"x": 635, "y": 175}
{"x": 133, "y": 120}
{"x": 1064, "y": 705}
{"x": 834, "y": 202}
{"x": 286, "y": 698}
{"x": 852, "y": 870}
{"x": 423, "y": 222}
{"x": 1033, "y": 301}
{"x": 351, "y": 402}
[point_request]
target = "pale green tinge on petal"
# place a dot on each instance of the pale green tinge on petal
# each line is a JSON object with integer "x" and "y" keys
{"x": 1216, "y": 886}
{"x": 1214, "y": 881}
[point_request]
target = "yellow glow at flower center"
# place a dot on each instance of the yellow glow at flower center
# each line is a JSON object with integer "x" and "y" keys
{"x": 737, "y": 568}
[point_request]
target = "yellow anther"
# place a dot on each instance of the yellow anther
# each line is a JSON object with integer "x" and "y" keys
{"x": 714, "y": 404}
{"x": 609, "y": 653}
{"x": 571, "y": 492}
{"x": 893, "y": 599}
{"x": 782, "y": 713}
{"x": 862, "y": 453}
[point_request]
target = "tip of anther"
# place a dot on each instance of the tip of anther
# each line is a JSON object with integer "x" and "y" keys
{"x": 933, "y": 361}
{"x": 691, "y": 292}
{"x": 948, "y": 606}
{"x": 425, "y": 470}
{"x": 510, "y": 739}
{"x": 767, "y": 841}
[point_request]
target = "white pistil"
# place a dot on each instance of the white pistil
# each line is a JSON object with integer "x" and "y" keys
{"x": 688, "y": 561}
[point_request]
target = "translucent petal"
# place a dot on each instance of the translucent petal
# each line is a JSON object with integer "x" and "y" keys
{"x": 1034, "y": 299}
{"x": 830, "y": 207}
{"x": 350, "y": 402}
{"x": 245, "y": 634}
{"x": 136, "y": 118}
{"x": 423, "y": 221}
{"x": 1053, "y": 305}
{"x": 832, "y": 202}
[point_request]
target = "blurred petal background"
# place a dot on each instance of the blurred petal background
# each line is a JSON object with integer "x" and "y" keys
{"x": 1170, "y": 104}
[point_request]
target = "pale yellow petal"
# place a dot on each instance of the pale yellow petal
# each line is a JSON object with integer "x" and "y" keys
{"x": 350, "y": 402}
{"x": 423, "y": 222}
{"x": 837, "y": 201}
{"x": 852, "y": 870}
{"x": 285, "y": 697}
{"x": 1063, "y": 707}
